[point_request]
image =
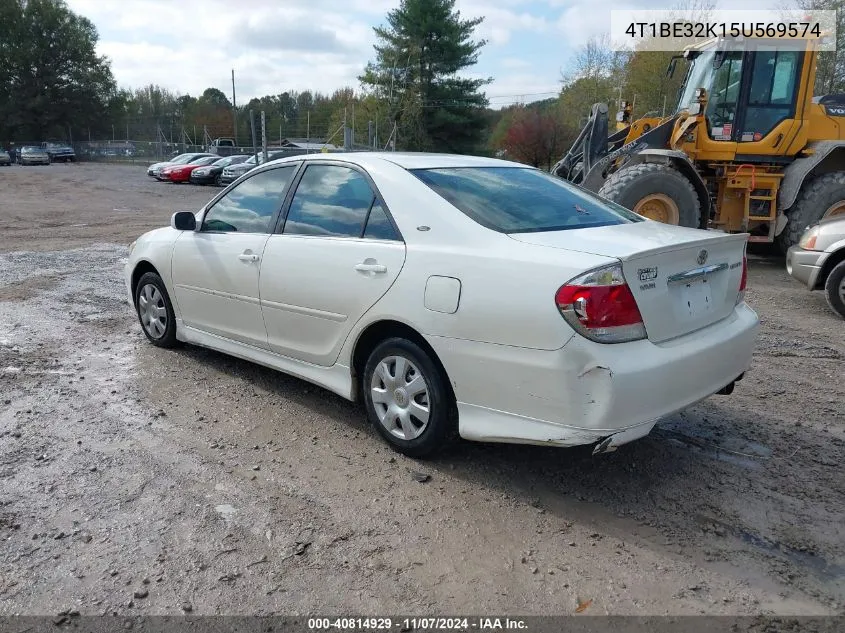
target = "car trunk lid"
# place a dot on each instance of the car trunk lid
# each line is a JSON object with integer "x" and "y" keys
{"x": 682, "y": 279}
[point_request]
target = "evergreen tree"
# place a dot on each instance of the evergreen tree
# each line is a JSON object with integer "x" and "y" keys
{"x": 418, "y": 57}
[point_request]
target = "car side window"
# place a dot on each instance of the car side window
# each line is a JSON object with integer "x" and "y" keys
{"x": 249, "y": 207}
{"x": 379, "y": 226}
{"x": 330, "y": 200}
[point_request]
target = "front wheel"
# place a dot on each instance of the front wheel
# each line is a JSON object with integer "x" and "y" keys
{"x": 407, "y": 399}
{"x": 655, "y": 191}
{"x": 834, "y": 289}
{"x": 155, "y": 311}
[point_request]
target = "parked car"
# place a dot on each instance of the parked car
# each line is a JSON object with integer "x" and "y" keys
{"x": 233, "y": 172}
{"x": 182, "y": 173}
{"x": 182, "y": 159}
{"x": 455, "y": 295}
{"x": 32, "y": 155}
{"x": 59, "y": 152}
{"x": 213, "y": 174}
{"x": 818, "y": 260}
{"x": 5, "y": 158}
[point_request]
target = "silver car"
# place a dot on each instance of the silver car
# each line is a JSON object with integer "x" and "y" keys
{"x": 5, "y": 158}
{"x": 818, "y": 260}
{"x": 31, "y": 155}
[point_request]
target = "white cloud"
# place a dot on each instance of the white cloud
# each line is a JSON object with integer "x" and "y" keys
{"x": 274, "y": 45}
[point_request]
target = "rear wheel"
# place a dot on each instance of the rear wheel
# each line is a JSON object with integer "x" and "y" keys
{"x": 406, "y": 398}
{"x": 656, "y": 191}
{"x": 834, "y": 289}
{"x": 218, "y": 180}
{"x": 821, "y": 197}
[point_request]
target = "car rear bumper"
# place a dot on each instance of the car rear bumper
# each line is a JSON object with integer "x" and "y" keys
{"x": 805, "y": 265}
{"x": 585, "y": 391}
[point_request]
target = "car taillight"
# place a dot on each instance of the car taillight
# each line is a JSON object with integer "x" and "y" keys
{"x": 600, "y": 306}
{"x": 743, "y": 281}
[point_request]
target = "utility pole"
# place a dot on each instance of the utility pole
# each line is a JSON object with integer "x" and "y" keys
{"x": 252, "y": 127}
{"x": 308, "y": 134}
{"x": 234, "y": 109}
{"x": 264, "y": 134}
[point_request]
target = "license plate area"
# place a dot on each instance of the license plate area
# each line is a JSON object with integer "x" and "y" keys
{"x": 695, "y": 298}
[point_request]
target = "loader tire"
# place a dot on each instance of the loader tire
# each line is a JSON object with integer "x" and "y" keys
{"x": 820, "y": 197}
{"x": 656, "y": 191}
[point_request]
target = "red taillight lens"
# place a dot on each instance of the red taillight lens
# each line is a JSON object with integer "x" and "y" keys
{"x": 600, "y": 306}
{"x": 743, "y": 280}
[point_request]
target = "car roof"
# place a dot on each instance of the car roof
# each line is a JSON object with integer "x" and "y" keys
{"x": 407, "y": 160}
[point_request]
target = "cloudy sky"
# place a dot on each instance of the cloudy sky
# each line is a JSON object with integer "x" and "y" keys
{"x": 277, "y": 45}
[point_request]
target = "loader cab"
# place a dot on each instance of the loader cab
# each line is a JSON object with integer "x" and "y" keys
{"x": 752, "y": 88}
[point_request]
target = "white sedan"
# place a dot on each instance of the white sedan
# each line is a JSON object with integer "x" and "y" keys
{"x": 455, "y": 295}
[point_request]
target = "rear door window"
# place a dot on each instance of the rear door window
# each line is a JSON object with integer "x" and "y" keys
{"x": 330, "y": 201}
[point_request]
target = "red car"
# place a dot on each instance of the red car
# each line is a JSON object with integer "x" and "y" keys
{"x": 182, "y": 173}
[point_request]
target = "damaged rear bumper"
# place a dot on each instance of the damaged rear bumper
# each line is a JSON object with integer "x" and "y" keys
{"x": 587, "y": 392}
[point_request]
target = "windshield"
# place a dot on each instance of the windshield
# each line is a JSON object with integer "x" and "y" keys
{"x": 30, "y": 150}
{"x": 182, "y": 159}
{"x": 699, "y": 75}
{"x": 207, "y": 160}
{"x": 522, "y": 200}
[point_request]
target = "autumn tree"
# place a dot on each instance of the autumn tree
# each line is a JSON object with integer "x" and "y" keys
{"x": 419, "y": 53}
{"x": 536, "y": 135}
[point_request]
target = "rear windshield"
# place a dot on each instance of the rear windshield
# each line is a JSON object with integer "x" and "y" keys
{"x": 522, "y": 200}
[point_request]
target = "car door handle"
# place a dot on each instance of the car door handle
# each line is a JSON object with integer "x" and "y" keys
{"x": 367, "y": 267}
{"x": 248, "y": 257}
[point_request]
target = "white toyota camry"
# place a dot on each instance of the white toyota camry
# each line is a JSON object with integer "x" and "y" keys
{"x": 455, "y": 295}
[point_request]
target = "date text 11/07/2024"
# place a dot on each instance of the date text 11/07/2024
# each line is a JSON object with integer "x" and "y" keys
{"x": 416, "y": 624}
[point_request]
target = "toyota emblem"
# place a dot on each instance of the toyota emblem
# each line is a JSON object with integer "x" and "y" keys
{"x": 702, "y": 257}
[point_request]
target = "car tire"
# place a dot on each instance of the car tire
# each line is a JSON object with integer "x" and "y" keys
{"x": 834, "y": 289}
{"x": 815, "y": 200}
{"x": 152, "y": 304}
{"x": 398, "y": 413}
{"x": 218, "y": 180}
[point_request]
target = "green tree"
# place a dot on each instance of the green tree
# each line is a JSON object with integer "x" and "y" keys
{"x": 215, "y": 97}
{"x": 51, "y": 79}
{"x": 830, "y": 68}
{"x": 420, "y": 51}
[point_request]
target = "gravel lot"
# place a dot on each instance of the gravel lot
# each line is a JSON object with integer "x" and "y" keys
{"x": 139, "y": 480}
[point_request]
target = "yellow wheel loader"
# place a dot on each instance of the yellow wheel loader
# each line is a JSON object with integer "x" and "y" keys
{"x": 749, "y": 148}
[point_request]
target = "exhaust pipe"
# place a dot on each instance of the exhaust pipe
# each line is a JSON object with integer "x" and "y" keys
{"x": 727, "y": 390}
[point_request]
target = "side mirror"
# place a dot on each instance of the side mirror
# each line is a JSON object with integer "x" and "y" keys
{"x": 183, "y": 221}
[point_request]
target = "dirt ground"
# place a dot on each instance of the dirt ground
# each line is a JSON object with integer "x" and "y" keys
{"x": 139, "y": 480}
